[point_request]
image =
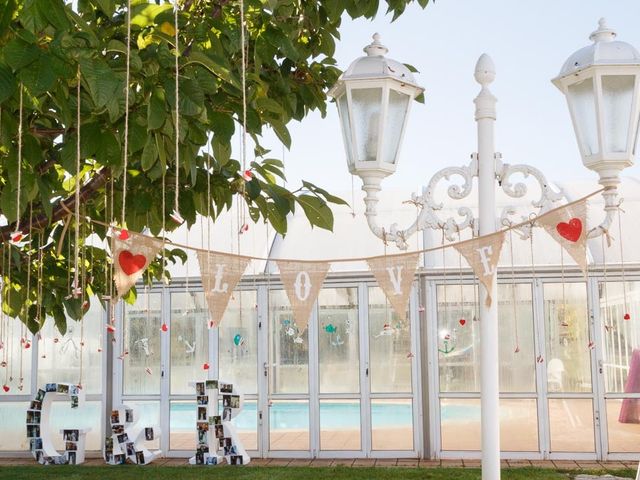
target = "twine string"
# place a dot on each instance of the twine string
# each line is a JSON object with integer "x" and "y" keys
{"x": 126, "y": 116}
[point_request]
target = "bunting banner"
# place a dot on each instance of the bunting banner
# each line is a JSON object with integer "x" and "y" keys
{"x": 395, "y": 276}
{"x": 131, "y": 257}
{"x": 483, "y": 254}
{"x": 568, "y": 226}
{"x": 220, "y": 274}
{"x": 302, "y": 281}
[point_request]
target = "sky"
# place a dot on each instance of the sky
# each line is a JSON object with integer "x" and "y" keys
{"x": 528, "y": 42}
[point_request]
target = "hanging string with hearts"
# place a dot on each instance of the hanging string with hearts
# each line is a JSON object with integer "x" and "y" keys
{"x": 19, "y": 186}
{"x": 462, "y": 320}
{"x": 83, "y": 304}
{"x": 627, "y": 314}
{"x": 25, "y": 344}
{"x": 76, "y": 253}
{"x": 605, "y": 290}
{"x": 176, "y": 206}
{"x": 514, "y": 295}
{"x": 444, "y": 280}
{"x": 127, "y": 79}
{"x": 563, "y": 322}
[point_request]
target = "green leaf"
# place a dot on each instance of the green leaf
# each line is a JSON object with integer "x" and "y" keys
{"x": 222, "y": 124}
{"x": 281, "y": 132}
{"x": 316, "y": 211}
{"x": 60, "y": 318}
{"x": 157, "y": 110}
{"x": 320, "y": 191}
{"x": 6, "y": 14}
{"x": 149, "y": 154}
{"x": 8, "y": 83}
{"x": 55, "y": 12}
{"x": 100, "y": 80}
{"x": 38, "y": 77}
{"x": 108, "y": 7}
{"x": 18, "y": 53}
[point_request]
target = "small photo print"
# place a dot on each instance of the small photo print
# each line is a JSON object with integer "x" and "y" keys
{"x": 212, "y": 460}
{"x": 108, "y": 444}
{"x": 236, "y": 460}
{"x": 109, "y": 457}
{"x": 115, "y": 416}
{"x": 117, "y": 429}
{"x": 33, "y": 416}
{"x": 123, "y": 438}
{"x": 203, "y": 399}
{"x": 33, "y": 431}
{"x": 70, "y": 446}
{"x": 219, "y": 431}
{"x": 51, "y": 387}
{"x": 63, "y": 388}
{"x": 217, "y": 420}
{"x": 226, "y": 414}
{"x": 35, "y": 444}
{"x": 128, "y": 415}
{"x": 226, "y": 387}
{"x": 40, "y": 395}
{"x": 203, "y": 448}
{"x": 235, "y": 401}
{"x": 74, "y": 401}
{"x": 120, "y": 459}
{"x": 203, "y": 426}
{"x": 212, "y": 384}
{"x": 71, "y": 435}
{"x": 140, "y": 457}
{"x": 199, "y": 458}
{"x": 130, "y": 448}
{"x": 36, "y": 405}
{"x": 200, "y": 388}
{"x": 202, "y": 414}
{"x": 74, "y": 390}
{"x": 148, "y": 433}
{"x": 225, "y": 443}
{"x": 227, "y": 450}
{"x": 226, "y": 401}
{"x": 202, "y": 436}
{"x": 71, "y": 458}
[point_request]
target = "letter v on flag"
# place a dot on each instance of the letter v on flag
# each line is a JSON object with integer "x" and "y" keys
{"x": 395, "y": 276}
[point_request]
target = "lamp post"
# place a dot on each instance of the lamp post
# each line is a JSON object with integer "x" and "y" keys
{"x": 602, "y": 85}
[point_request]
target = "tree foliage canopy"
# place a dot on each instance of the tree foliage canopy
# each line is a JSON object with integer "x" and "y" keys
{"x": 45, "y": 46}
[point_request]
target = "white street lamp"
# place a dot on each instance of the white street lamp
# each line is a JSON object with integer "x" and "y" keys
{"x": 374, "y": 95}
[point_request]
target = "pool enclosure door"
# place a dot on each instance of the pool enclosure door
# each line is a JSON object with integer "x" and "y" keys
{"x": 346, "y": 386}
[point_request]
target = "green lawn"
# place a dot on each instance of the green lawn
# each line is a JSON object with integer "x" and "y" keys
{"x": 274, "y": 473}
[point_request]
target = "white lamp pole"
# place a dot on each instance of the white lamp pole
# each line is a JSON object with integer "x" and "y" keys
{"x": 602, "y": 86}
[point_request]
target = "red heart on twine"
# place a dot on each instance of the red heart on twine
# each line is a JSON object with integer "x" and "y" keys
{"x": 164, "y": 327}
{"x": 124, "y": 234}
{"x": 462, "y": 321}
{"x": 6, "y": 388}
{"x": 571, "y": 231}
{"x": 627, "y": 316}
{"x": 205, "y": 366}
{"x": 131, "y": 263}
{"x": 111, "y": 328}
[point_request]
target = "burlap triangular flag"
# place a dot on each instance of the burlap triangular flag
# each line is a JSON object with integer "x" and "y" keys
{"x": 302, "y": 281}
{"x": 220, "y": 274}
{"x": 131, "y": 257}
{"x": 568, "y": 226}
{"x": 395, "y": 276}
{"x": 482, "y": 255}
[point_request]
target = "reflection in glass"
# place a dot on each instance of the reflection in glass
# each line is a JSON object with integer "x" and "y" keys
{"x": 617, "y": 99}
{"x": 567, "y": 337}
{"x": 238, "y": 342}
{"x": 391, "y": 424}
{"x": 389, "y": 346}
{"x": 289, "y": 359}
{"x": 621, "y": 338}
{"x": 338, "y": 350}
{"x": 583, "y": 109}
{"x": 142, "y": 342}
{"x": 366, "y": 121}
{"x": 571, "y": 425}
{"x": 623, "y": 424}
{"x": 340, "y": 424}
{"x": 189, "y": 336}
{"x": 289, "y": 425}
{"x": 60, "y": 354}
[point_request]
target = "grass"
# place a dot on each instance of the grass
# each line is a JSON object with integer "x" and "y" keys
{"x": 131, "y": 472}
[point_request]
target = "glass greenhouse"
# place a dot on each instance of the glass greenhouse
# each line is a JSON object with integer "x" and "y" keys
{"x": 569, "y": 362}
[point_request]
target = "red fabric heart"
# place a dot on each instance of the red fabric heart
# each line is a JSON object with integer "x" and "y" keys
{"x": 164, "y": 327}
{"x": 205, "y": 366}
{"x": 571, "y": 231}
{"x": 124, "y": 234}
{"x": 131, "y": 263}
{"x": 627, "y": 316}
{"x": 462, "y": 321}
{"x": 6, "y": 388}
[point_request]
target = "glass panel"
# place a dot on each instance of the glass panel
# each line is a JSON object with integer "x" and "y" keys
{"x": 289, "y": 425}
{"x": 389, "y": 346}
{"x": 182, "y": 425}
{"x": 366, "y": 118}
{"x": 87, "y": 416}
{"x": 394, "y": 124}
{"x": 338, "y": 349}
{"x": 60, "y": 354}
{"x": 518, "y": 425}
{"x": 571, "y": 425}
{"x": 623, "y": 423}
{"x": 582, "y": 103}
{"x": 247, "y": 424}
{"x": 460, "y": 423}
{"x": 147, "y": 414}
{"x": 189, "y": 338}
{"x": 238, "y": 342}
{"x": 14, "y": 353}
{"x": 617, "y": 98}
{"x": 391, "y": 424}
{"x": 142, "y": 342}
{"x": 289, "y": 360}
{"x": 12, "y": 426}
{"x": 567, "y": 342}
{"x": 621, "y": 338}
{"x": 343, "y": 110}
{"x": 340, "y": 424}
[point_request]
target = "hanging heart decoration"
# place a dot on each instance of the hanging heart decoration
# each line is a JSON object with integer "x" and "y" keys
{"x": 627, "y": 316}
{"x": 6, "y": 388}
{"x": 205, "y": 366}
{"x": 131, "y": 263}
{"x": 124, "y": 234}
{"x": 462, "y": 321}
{"x": 571, "y": 230}
{"x": 164, "y": 327}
